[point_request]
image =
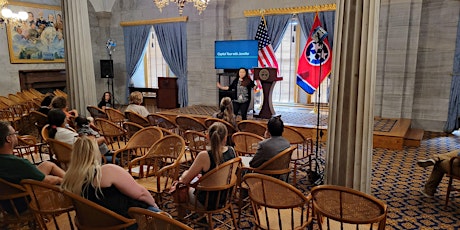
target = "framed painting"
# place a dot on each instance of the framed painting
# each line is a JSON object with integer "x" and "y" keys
{"x": 38, "y": 39}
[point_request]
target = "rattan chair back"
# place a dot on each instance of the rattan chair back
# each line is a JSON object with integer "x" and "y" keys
{"x": 277, "y": 204}
{"x": 304, "y": 150}
{"x": 160, "y": 166}
{"x": 91, "y": 216}
{"x": 13, "y": 205}
{"x": 159, "y": 120}
{"x": 114, "y": 135}
{"x": 216, "y": 188}
{"x": 139, "y": 144}
{"x": 186, "y": 122}
{"x": 131, "y": 128}
{"x": 28, "y": 148}
{"x": 252, "y": 127}
{"x": 338, "y": 207}
{"x": 136, "y": 118}
{"x": 62, "y": 151}
{"x": 246, "y": 143}
{"x": 96, "y": 112}
{"x": 197, "y": 142}
{"x": 39, "y": 120}
{"x": 53, "y": 209}
{"x": 115, "y": 116}
{"x": 148, "y": 220}
{"x": 277, "y": 166}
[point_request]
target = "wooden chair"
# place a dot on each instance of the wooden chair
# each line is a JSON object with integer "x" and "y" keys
{"x": 13, "y": 205}
{"x": 277, "y": 204}
{"x": 453, "y": 174}
{"x": 138, "y": 145}
{"x": 44, "y": 133}
{"x": 91, "y": 216}
{"x": 96, "y": 112}
{"x": 28, "y": 148}
{"x": 39, "y": 120}
{"x": 114, "y": 135}
{"x": 303, "y": 152}
{"x": 160, "y": 166}
{"x": 131, "y": 128}
{"x": 115, "y": 116}
{"x": 246, "y": 143}
{"x": 277, "y": 167}
{"x": 217, "y": 189}
{"x": 53, "y": 209}
{"x": 252, "y": 127}
{"x": 62, "y": 151}
{"x": 339, "y": 207}
{"x": 148, "y": 220}
{"x": 136, "y": 118}
{"x": 186, "y": 122}
{"x": 197, "y": 142}
{"x": 159, "y": 120}
{"x": 230, "y": 128}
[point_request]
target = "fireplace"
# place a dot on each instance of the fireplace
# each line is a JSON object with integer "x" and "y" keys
{"x": 43, "y": 80}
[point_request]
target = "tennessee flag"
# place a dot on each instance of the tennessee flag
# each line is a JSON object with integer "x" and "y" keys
{"x": 309, "y": 66}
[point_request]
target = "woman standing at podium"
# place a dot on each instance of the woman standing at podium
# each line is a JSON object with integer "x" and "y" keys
{"x": 243, "y": 85}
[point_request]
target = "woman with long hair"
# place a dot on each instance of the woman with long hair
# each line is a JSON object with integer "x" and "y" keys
{"x": 106, "y": 101}
{"x": 108, "y": 185}
{"x": 226, "y": 111}
{"x": 205, "y": 161}
{"x": 243, "y": 85}
{"x": 57, "y": 127}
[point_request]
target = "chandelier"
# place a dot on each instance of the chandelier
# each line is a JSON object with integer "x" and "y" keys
{"x": 200, "y": 5}
{"x": 9, "y": 16}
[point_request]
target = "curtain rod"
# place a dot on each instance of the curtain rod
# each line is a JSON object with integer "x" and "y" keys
{"x": 154, "y": 21}
{"x": 290, "y": 10}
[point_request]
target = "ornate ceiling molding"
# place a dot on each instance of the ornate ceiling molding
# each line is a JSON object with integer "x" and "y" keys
{"x": 289, "y": 10}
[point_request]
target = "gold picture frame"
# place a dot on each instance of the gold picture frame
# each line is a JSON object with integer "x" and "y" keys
{"x": 38, "y": 39}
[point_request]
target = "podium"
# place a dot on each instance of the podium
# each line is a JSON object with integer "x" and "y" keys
{"x": 268, "y": 77}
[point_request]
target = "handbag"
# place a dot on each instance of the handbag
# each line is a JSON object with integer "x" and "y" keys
{"x": 179, "y": 191}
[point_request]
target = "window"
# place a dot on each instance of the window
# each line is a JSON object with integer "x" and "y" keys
{"x": 152, "y": 65}
{"x": 288, "y": 54}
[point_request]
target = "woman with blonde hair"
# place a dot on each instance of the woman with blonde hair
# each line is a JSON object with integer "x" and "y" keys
{"x": 226, "y": 111}
{"x": 205, "y": 161}
{"x": 135, "y": 101}
{"x": 108, "y": 185}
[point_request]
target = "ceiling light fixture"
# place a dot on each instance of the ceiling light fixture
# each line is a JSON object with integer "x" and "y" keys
{"x": 200, "y": 5}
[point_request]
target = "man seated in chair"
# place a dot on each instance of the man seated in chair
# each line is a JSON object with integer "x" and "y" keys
{"x": 441, "y": 164}
{"x": 14, "y": 169}
{"x": 273, "y": 144}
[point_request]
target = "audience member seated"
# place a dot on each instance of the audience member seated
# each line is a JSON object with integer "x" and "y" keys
{"x": 441, "y": 167}
{"x": 106, "y": 101}
{"x": 84, "y": 128}
{"x": 45, "y": 104}
{"x": 60, "y": 102}
{"x": 14, "y": 169}
{"x": 272, "y": 145}
{"x": 108, "y": 185}
{"x": 205, "y": 161}
{"x": 226, "y": 111}
{"x": 135, "y": 101}
{"x": 57, "y": 127}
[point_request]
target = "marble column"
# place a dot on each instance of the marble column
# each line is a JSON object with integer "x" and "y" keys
{"x": 79, "y": 56}
{"x": 351, "y": 117}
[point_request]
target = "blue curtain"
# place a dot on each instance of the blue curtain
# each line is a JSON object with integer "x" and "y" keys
{"x": 327, "y": 19}
{"x": 172, "y": 38}
{"x": 276, "y": 26}
{"x": 135, "y": 39}
{"x": 453, "y": 116}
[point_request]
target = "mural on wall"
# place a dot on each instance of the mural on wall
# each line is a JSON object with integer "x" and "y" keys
{"x": 38, "y": 39}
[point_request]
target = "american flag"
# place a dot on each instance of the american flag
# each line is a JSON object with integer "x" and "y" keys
{"x": 266, "y": 53}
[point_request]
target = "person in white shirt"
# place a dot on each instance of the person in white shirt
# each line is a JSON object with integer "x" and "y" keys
{"x": 57, "y": 127}
{"x": 135, "y": 101}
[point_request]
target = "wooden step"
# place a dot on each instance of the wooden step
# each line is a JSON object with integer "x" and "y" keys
{"x": 413, "y": 137}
